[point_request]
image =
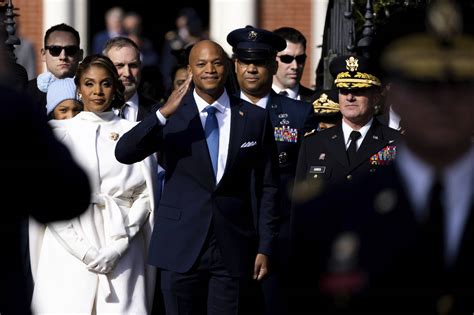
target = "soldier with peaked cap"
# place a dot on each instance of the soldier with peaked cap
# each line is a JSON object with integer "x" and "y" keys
{"x": 255, "y": 64}
{"x": 402, "y": 241}
{"x": 358, "y": 144}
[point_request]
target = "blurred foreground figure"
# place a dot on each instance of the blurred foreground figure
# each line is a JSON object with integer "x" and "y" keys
{"x": 30, "y": 156}
{"x": 403, "y": 241}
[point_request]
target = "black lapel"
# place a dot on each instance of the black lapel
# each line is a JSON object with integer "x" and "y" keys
{"x": 238, "y": 119}
{"x": 274, "y": 106}
{"x": 335, "y": 143}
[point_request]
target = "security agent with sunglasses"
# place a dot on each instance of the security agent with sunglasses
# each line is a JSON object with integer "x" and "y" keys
{"x": 254, "y": 52}
{"x": 358, "y": 144}
{"x": 61, "y": 54}
{"x": 291, "y": 62}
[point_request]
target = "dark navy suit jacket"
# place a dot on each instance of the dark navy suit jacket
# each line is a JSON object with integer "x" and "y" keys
{"x": 299, "y": 117}
{"x": 192, "y": 204}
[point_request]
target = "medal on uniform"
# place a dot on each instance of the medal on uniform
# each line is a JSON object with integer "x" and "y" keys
{"x": 384, "y": 156}
{"x": 286, "y": 134}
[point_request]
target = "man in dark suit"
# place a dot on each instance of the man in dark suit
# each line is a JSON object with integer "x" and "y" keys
{"x": 31, "y": 155}
{"x": 334, "y": 155}
{"x": 205, "y": 240}
{"x": 402, "y": 241}
{"x": 254, "y": 57}
{"x": 61, "y": 54}
{"x": 291, "y": 62}
{"x": 125, "y": 55}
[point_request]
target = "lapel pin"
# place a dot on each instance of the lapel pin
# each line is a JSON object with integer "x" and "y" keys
{"x": 241, "y": 113}
{"x": 375, "y": 137}
{"x": 334, "y": 137}
{"x": 322, "y": 156}
{"x": 114, "y": 136}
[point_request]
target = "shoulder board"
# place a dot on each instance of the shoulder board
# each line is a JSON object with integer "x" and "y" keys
{"x": 310, "y": 132}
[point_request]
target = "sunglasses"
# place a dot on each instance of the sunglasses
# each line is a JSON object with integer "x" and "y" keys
{"x": 56, "y": 50}
{"x": 289, "y": 59}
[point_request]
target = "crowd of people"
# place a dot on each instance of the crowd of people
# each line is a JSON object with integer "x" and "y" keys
{"x": 240, "y": 191}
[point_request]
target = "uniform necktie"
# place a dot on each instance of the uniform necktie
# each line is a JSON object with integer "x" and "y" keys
{"x": 283, "y": 92}
{"x": 352, "y": 150}
{"x": 434, "y": 224}
{"x": 211, "y": 130}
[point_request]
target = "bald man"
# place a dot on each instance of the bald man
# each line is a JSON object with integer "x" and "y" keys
{"x": 218, "y": 151}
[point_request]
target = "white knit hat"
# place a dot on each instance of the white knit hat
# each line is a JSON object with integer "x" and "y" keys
{"x": 58, "y": 91}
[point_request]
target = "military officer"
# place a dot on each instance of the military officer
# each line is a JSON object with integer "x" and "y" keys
{"x": 400, "y": 241}
{"x": 358, "y": 144}
{"x": 254, "y": 52}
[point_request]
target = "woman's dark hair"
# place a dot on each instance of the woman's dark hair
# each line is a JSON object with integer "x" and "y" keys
{"x": 104, "y": 62}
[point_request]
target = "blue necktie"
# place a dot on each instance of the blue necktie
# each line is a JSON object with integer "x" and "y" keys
{"x": 211, "y": 130}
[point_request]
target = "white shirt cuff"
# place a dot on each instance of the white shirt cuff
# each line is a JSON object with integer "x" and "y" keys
{"x": 161, "y": 118}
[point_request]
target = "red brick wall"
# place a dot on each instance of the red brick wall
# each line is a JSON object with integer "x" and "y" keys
{"x": 293, "y": 13}
{"x": 31, "y": 24}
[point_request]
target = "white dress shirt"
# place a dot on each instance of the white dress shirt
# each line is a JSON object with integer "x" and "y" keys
{"x": 346, "y": 130}
{"x": 223, "y": 115}
{"x": 291, "y": 92}
{"x": 458, "y": 181}
{"x": 130, "y": 109}
{"x": 261, "y": 103}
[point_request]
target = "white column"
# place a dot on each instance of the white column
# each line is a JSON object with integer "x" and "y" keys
{"x": 81, "y": 22}
{"x": 71, "y": 12}
{"x": 227, "y": 15}
{"x": 319, "y": 9}
{"x": 57, "y": 12}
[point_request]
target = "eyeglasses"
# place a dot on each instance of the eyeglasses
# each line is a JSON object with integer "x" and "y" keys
{"x": 289, "y": 59}
{"x": 56, "y": 50}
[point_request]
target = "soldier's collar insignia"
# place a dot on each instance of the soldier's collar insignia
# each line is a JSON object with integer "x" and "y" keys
{"x": 352, "y": 64}
{"x": 252, "y": 35}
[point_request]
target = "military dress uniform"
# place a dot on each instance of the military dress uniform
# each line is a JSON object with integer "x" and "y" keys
{"x": 387, "y": 243}
{"x": 290, "y": 119}
{"x": 323, "y": 154}
{"x": 323, "y": 159}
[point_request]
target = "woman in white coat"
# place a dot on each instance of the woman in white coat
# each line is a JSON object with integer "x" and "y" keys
{"x": 96, "y": 263}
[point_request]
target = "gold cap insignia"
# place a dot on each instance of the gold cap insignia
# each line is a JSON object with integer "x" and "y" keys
{"x": 253, "y": 35}
{"x": 352, "y": 64}
{"x": 325, "y": 106}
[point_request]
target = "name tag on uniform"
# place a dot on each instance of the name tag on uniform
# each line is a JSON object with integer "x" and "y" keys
{"x": 317, "y": 169}
{"x": 286, "y": 134}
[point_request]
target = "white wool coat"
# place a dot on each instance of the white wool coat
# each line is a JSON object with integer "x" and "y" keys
{"x": 120, "y": 215}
